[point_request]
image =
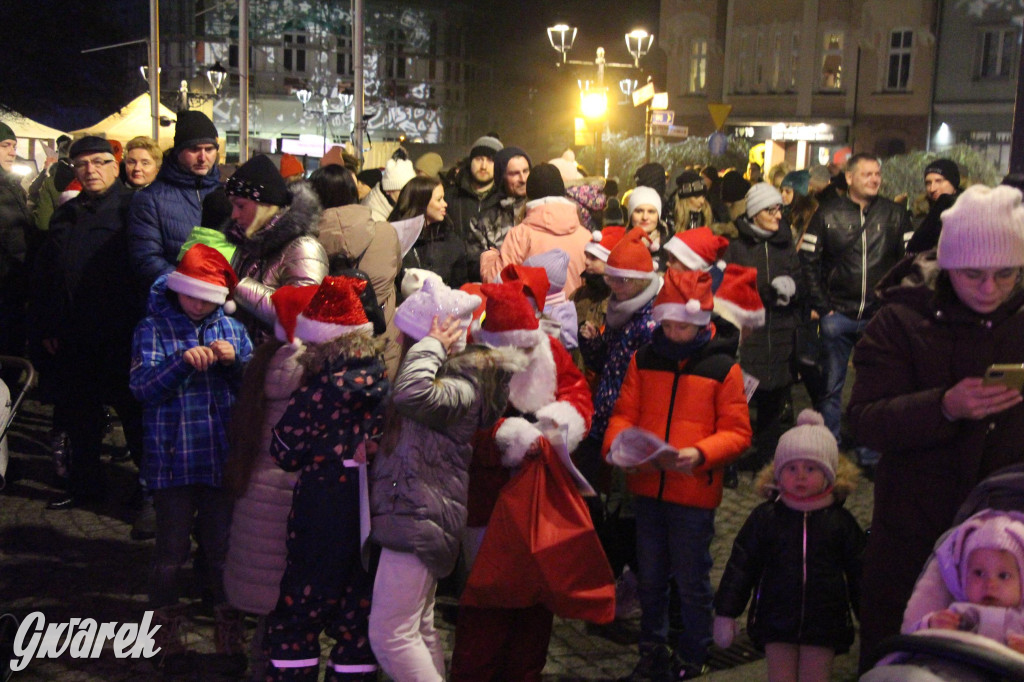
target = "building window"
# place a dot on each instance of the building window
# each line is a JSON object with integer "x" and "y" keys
{"x": 901, "y": 43}
{"x": 394, "y": 58}
{"x": 742, "y": 75}
{"x": 794, "y": 59}
{"x": 294, "y": 53}
{"x": 344, "y": 52}
{"x": 832, "y": 61}
{"x": 997, "y": 52}
{"x": 698, "y": 65}
{"x": 759, "y": 57}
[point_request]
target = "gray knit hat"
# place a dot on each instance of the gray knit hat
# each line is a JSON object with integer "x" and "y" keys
{"x": 761, "y": 196}
{"x": 983, "y": 229}
{"x": 810, "y": 439}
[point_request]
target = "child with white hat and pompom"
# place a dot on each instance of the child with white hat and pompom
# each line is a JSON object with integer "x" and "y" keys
{"x": 802, "y": 552}
{"x": 443, "y": 394}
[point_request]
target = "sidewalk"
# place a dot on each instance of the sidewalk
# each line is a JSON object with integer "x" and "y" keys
{"x": 81, "y": 563}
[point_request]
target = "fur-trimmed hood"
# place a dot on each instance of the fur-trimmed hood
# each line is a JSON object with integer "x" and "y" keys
{"x": 354, "y": 345}
{"x": 847, "y": 479}
{"x": 347, "y": 230}
{"x": 300, "y": 218}
{"x": 477, "y": 357}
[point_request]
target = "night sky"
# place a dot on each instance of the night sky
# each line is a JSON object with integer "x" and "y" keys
{"x": 45, "y": 76}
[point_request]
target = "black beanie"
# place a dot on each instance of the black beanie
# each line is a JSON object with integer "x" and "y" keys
{"x": 216, "y": 209}
{"x": 370, "y": 177}
{"x": 90, "y": 144}
{"x": 63, "y": 176}
{"x": 734, "y": 187}
{"x": 651, "y": 175}
{"x": 690, "y": 184}
{"x": 6, "y": 133}
{"x": 545, "y": 180}
{"x": 947, "y": 168}
{"x": 194, "y": 128}
{"x": 501, "y": 159}
{"x": 613, "y": 213}
{"x": 258, "y": 179}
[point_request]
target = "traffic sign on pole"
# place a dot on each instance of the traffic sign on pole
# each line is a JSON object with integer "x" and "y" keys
{"x": 663, "y": 118}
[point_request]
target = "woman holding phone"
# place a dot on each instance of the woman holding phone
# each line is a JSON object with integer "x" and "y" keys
{"x": 920, "y": 395}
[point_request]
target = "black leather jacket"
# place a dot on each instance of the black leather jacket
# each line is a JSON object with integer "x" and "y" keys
{"x": 844, "y": 259}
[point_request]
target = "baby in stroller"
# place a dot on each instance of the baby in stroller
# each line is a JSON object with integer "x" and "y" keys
{"x": 967, "y": 604}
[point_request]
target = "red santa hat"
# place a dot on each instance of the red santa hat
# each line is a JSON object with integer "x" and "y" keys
{"x": 737, "y": 299}
{"x": 685, "y": 297}
{"x": 288, "y": 302}
{"x": 205, "y": 274}
{"x": 631, "y": 257}
{"x": 73, "y": 189}
{"x": 475, "y": 288}
{"x": 509, "y": 319}
{"x": 698, "y": 249}
{"x": 603, "y": 241}
{"x": 535, "y": 281}
{"x": 334, "y": 310}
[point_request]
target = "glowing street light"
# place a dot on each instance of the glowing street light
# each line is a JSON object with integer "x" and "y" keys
{"x": 561, "y": 37}
{"x": 638, "y": 43}
{"x": 594, "y": 104}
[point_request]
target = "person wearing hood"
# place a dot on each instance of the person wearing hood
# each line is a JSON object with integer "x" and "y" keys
{"x": 920, "y": 398}
{"x": 942, "y": 187}
{"x": 352, "y": 238}
{"x": 765, "y": 243}
{"x": 512, "y": 168}
{"x": 551, "y": 222}
{"x": 275, "y": 228}
{"x": 163, "y": 214}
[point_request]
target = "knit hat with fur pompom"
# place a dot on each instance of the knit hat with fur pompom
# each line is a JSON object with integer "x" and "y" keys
{"x": 810, "y": 440}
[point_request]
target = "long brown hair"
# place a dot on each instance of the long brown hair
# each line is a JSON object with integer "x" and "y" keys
{"x": 245, "y": 432}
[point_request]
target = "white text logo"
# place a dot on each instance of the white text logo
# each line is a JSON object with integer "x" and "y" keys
{"x": 81, "y": 638}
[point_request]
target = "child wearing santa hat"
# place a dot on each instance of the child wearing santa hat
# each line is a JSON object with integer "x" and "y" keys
{"x": 443, "y": 394}
{"x": 187, "y": 363}
{"x": 686, "y": 388}
{"x": 323, "y": 435}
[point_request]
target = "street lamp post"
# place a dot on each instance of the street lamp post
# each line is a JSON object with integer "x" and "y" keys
{"x": 324, "y": 111}
{"x": 638, "y": 43}
{"x": 215, "y": 75}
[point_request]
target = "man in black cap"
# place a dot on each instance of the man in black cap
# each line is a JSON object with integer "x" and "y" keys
{"x": 487, "y": 231}
{"x": 942, "y": 187}
{"x": 15, "y": 224}
{"x": 163, "y": 214}
{"x": 84, "y": 310}
{"x": 474, "y": 192}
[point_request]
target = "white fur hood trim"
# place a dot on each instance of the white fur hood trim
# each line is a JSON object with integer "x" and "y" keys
{"x": 514, "y": 438}
{"x": 565, "y": 417}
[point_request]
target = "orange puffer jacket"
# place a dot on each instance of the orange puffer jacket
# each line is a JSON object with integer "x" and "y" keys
{"x": 698, "y": 402}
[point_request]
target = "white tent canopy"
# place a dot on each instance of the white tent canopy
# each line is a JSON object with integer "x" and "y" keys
{"x": 133, "y": 120}
{"x": 26, "y": 128}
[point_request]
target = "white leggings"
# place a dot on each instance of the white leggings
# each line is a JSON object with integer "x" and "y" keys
{"x": 402, "y": 632}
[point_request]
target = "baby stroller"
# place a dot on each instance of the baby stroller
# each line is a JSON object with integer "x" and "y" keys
{"x": 939, "y": 655}
{"x": 9, "y": 408}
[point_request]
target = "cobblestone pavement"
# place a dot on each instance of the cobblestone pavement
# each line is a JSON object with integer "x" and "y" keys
{"x": 81, "y": 563}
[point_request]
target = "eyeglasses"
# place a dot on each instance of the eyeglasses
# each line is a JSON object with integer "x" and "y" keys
{"x": 775, "y": 209}
{"x": 100, "y": 163}
{"x": 613, "y": 279}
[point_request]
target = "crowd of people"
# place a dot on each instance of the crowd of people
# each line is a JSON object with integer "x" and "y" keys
{"x": 350, "y": 384}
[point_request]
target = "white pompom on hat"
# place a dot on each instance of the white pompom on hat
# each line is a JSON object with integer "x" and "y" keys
{"x": 809, "y": 440}
{"x": 205, "y": 274}
{"x": 983, "y": 229}
{"x": 603, "y": 241}
{"x": 397, "y": 173}
{"x": 434, "y": 299}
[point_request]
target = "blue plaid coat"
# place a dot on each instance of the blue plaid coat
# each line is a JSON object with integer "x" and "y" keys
{"x": 185, "y": 412}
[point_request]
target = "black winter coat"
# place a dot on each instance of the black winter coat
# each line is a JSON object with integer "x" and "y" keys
{"x": 843, "y": 261}
{"x": 801, "y": 596}
{"x": 15, "y": 225}
{"x": 439, "y": 250}
{"x": 83, "y": 286}
{"x": 768, "y": 351}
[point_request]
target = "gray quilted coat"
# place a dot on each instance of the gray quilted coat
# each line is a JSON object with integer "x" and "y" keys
{"x": 419, "y": 488}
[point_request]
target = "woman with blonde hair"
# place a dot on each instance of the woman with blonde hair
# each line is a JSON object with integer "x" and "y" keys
{"x": 142, "y": 161}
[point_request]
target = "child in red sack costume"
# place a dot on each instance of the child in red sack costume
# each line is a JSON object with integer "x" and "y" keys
{"x": 500, "y": 639}
{"x": 686, "y": 388}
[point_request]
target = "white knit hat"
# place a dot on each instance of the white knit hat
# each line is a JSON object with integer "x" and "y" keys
{"x": 760, "y": 196}
{"x": 988, "y": 529}
{"x": 397, "y": 172}
{"x": 414, "y": 278}
{"x": 810, "y": 439}
{"x": 434, "y": 299}
{"x": 643, "y": 196}
{"x": 983, "y": 229}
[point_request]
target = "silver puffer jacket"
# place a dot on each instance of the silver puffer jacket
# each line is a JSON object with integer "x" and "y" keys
{"x": 286, "y": 251}
{"x": 419, "y": 488}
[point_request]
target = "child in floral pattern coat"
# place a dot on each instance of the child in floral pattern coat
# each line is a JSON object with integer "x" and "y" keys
{"x": 323, "y": 434}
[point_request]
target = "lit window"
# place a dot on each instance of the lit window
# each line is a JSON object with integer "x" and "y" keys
{"x": 698, "y": 65}
{"x": 901, "y": 43}
{"x": 832, "y": 61}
